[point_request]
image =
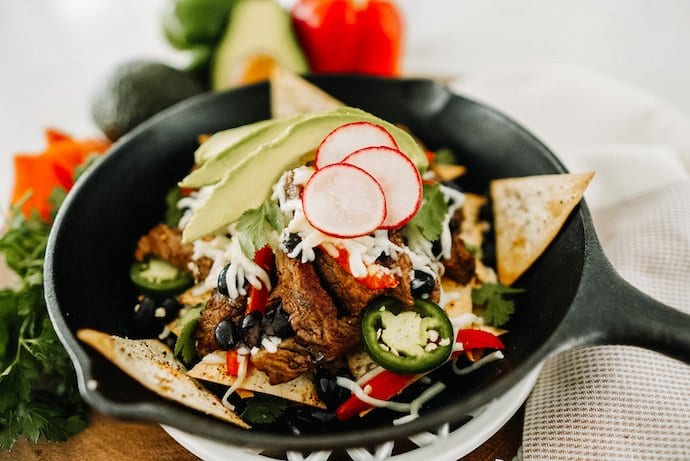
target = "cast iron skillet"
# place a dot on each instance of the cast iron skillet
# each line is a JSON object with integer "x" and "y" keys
{"x": 573, "y": 297}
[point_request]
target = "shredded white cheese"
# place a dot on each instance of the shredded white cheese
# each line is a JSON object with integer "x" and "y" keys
{"x": 417, "y": 403}
{"x": 496, "y": 355}
{"x": 241, "y": 375}
{"x": 191, "y": 203}
{"x": 361, "y": 395}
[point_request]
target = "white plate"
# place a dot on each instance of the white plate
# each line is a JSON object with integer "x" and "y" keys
{"x": 486, "y": 422}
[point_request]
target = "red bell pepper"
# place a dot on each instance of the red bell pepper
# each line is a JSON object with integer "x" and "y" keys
{"x": 350, "y": 36}
{"x": 384, "y": 386}
{"x": 378, "y": 281}
{"x": 231, "y": 362}
{"x": 478, "y": 339}
{"x": 258, "y": 297}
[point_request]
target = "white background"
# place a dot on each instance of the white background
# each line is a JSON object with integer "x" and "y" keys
{"x": 53, "y": 53}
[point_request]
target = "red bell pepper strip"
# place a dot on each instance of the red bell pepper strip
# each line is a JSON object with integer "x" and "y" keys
{"x": 478, "y": 339}
{"x": 358, "y": 36}
{"x": 231, "y": 362}
{"x": 384, "y": 386}
{"x": 379, "y": 281}
{"x": 258, "y": 297}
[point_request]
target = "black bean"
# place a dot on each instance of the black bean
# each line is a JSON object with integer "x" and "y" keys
{"x": 251, "y": 329}
{"x": 385, "y": 260}
{"x": 291, "y": 242}
{"x": 281, "y": 323}
{"x": 436, "y": 248}
{"x": 327, "y": 389}
{"x": 226, "y": 335}
{"x": 171, "y": 305}
{"x": 423, "y": 283}
{"x": 307, "y": 420}
{"x": 144, "y": 311}
{"x": 223, "y": 281}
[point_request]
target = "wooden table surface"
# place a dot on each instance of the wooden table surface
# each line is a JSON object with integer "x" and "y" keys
{"x": 114, "y": 440}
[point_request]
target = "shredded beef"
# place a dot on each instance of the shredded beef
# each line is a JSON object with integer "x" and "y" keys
{"x": 218, "y": 308}
{"x": 166, "y": 243}
{"x": 350, "y": 295}
{"x": 320, "y": 334}
{"x": 461, "y": 264}
{"x": 288, "y": 362}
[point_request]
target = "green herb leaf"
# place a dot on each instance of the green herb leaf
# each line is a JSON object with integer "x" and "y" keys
{"x": 57, "y": 196}
{"x": 263, "y": 409}
{"x": 429, "y": 218}
{"x": 172, "y": 213}
{"x": 444, "y": 156}
{"x": 497, "y": 309}
{"x": 38, "y": 388}
{"x": 257, "y": 227}
{"x": 185, "y": 342}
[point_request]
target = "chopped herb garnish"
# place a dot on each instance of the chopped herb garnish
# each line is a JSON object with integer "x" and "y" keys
{"x": 185, "y": 342}
{"x": 38, "y": 388}
{"x": 263, "y": 409}
{"x": 444, "y": 156}
{"x": 497, "y": 309}
{"x": 172, "y": 213}
{"x": 258, "y": 227}
{"x": 429, "y": 218}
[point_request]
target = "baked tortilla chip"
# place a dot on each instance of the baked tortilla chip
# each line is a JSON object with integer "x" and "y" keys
{"x": 528, "y": 213}
{"x": 301, "y": 389}
{"x": 152, "y": 364}
{"x": 292, "y": 95}
{"x": 359, "y": 362}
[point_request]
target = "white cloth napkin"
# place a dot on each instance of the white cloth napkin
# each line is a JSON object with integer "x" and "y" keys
{"x": 610, "y": 402}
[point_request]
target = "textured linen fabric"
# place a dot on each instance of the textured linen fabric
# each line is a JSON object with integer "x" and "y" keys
{"x": 610, "y": 402}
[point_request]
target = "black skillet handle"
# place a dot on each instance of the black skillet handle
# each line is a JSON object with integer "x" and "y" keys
{"x": 608, "y": 310}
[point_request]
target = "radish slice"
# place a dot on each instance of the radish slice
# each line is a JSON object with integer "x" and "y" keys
{"x": 398, "y": 177}
{"x": 343, "y": 201}
{"x": 348, "y": 138}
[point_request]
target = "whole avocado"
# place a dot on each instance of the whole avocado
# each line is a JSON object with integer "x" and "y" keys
{"x": 136, "y": 90}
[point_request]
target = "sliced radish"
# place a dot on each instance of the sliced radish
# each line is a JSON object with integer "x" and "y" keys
{"x": 348, "y": 138}
{"x": 398, "y": 177}
{"x": 343, "y": 201}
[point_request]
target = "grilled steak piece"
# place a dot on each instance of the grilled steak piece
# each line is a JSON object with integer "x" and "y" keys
{"x": 461, "y": 264}
{"x": 320, "y": 335}
{"x": 403, "y": 291}
{"x": 166, "y": 243}
{"x": 218, "y": 308}
{"x": 347, "y": 292}
{"x": 288, "y": 362}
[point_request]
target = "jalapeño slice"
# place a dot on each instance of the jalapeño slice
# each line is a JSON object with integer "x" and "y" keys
{"x": 407, "y": 339}
{"x": 156, "y": 276}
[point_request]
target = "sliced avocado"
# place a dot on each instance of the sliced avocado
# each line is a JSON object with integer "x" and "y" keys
{"x": 249, "y": 181}
{"x": 317, "y": 125}
{"x": 256, "y": 27}
{"x": 226, "y": 139}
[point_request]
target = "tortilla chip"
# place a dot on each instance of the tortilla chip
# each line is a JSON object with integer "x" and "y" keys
{"x": 359, "y": 362}
{"x": 457, "y": 299}
{"x": 528, "y": 213}
{"x": 188, "y": 298}
{"x": 472, "y": 229}
{"x": 300, "y": 389}
{"x": 448, "y": 172}
{"x": 292, "y": 95}
{"x": 152, "y": 364}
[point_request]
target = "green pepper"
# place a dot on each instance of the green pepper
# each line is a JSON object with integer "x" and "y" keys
{"x": 190, "y": 24}
{"x": 156, "y": 276}
{"x": 407, "y": 339}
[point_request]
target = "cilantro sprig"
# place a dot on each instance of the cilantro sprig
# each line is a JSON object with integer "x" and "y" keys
{"x": 429, "y": 218}
{"x": 38, "y": 389}
{"x": 263, "y": 409}
{"x": 497, "y": 309}
{"x": 257, "y": 227}
{"x": 184, "y": 345}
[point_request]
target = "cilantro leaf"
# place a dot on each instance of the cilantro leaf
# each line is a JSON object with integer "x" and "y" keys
{"x": 497, "y": 309}
{"x": 429, "y": 218}
{"x": 172, "y": 213}
{"x": 185, "y": 342}
{"x": 39, "y": 396}
{"x": 445, "y": 156}
{"x": 263, "y": 409}
{"x": 256, "y": 227}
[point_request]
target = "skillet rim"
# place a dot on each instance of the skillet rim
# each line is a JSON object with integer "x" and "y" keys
{"x": 178, "y": 416}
